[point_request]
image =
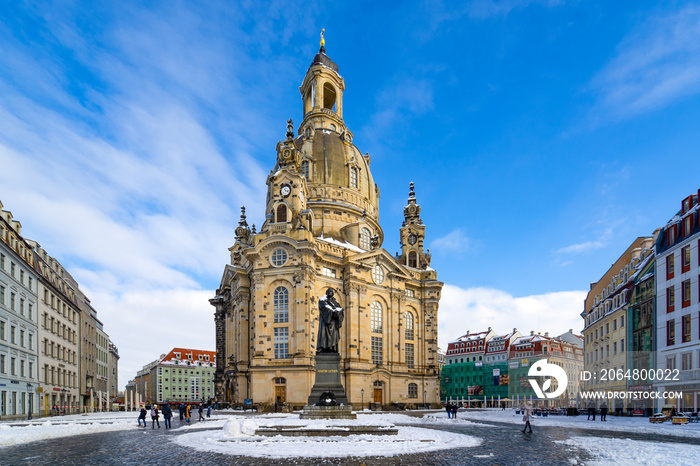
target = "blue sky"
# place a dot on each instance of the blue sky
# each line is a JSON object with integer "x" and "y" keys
{"x": 543, "y": 138}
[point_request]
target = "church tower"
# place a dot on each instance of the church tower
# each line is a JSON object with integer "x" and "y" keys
{"x": 321, "y": 230}
{"x": 412, "y": 235}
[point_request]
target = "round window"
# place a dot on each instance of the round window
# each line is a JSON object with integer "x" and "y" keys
{"x": 378, "y": 274}
{"x": 279, "y": 257}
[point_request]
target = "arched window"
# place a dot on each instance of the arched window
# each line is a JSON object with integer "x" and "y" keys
{"x": 353, "y": 177}
{"x": 365, "y": 239}
{"x": 378, "y": 274}
{"x": 305, "y": 169}
{"x": 281, "y": 305}
{"x": 329, "y": 96}
{"x": 413, "y": 259}
{"x": 409, "y": 326}
{"x": 376, "y": 317}
{"x": 281, "y": 213}
{"x": 412, "y": 390}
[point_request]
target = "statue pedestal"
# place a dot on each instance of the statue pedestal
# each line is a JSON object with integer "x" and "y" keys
{"x": 328, "y": 383}
{"x": 328, "y": 379}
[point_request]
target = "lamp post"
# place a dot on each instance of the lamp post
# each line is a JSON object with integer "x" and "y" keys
{"x": 424, "y": 393}
{"x": 30, "y": 400}
{"x": 362, "y": 403}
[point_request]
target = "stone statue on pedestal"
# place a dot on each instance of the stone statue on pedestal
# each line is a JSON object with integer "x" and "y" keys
{"x": 331, "y": 320}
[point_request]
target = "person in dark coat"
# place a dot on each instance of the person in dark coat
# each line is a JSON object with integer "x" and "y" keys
{"x": 448, "y": 408}
{"x": 142, "y": 416}
{"x": 591, "y": 410}
{"x": 167, "y": 414}
{"x": 181, "y": 409}
{"x": 201, "y": 412}
{"x": 603, "y": 412}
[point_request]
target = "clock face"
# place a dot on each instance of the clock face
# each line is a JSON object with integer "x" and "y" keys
{"x": 412, "y": 240}
{"x": 286, "y": 190}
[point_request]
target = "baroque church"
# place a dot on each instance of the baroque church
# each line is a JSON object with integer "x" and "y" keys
{"x": 321, "y": 231}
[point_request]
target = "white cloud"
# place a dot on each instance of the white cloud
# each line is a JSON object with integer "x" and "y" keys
{"x": 655, "y": 65}
{"x": 581, "y": 247}
{"x": 455, "y": 241}
{"x": 135, "y": 184}
{"x": 477, "y": 309}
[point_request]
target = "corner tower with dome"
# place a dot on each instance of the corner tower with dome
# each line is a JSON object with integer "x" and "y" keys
{"x": 321, "y": 230}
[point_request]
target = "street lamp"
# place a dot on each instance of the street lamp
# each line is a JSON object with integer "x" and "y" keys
{"x": 424, "y": 393}
{"x": 362, "y": 403}
{"x": 30, "y": 399}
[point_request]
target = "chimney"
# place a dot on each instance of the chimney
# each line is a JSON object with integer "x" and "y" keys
{"x": 532, "y": 333}
{"x": 546, "y": 334}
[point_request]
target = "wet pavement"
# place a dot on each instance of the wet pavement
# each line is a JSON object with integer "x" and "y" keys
{"x": 502, "y": 444}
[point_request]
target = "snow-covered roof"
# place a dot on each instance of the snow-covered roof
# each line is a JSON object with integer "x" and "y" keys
{"x": 341, "y": 244}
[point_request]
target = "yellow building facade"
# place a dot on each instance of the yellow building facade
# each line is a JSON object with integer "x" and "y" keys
{"x": 606, "y": 336}
{"x": 321, "y": 231}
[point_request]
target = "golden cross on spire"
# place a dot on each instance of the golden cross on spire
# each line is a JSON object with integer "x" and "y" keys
{"x": 323, "y": 42}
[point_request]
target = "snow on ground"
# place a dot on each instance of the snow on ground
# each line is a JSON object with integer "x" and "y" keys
{"x": 237, "y": 437}
{"x": 633, "y": 452}
{"x": 19, "y": 432}
{"x": 619, "y": 424}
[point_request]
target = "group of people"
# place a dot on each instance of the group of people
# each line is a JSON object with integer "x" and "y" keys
{"x": 592, "y": 411}
{"x": 155, "y": 416}
{"x": 451, "y": 409}
{"x": 167, "y": 412}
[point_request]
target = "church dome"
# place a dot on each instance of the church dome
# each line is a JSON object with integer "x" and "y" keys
{"x": 337, "y": 163}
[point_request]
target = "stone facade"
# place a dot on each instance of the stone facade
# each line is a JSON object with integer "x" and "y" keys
{"x": 59, "y": 342}
{"x": 321, "y": 230}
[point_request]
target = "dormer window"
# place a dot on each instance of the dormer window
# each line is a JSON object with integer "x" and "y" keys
{"x": 365, "y": 239}
{"x": 413, "y": 259}
{"x": 177, "y": 356}
{"x": 353, "y": 177}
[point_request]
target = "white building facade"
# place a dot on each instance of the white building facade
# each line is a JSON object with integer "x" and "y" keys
{"x": 18, "y": 322}
{"x": 678, "y": 307}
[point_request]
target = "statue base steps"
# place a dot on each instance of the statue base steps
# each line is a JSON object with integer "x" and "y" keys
{"x": 330, "y": 431}
{"x": 327, "y": 412}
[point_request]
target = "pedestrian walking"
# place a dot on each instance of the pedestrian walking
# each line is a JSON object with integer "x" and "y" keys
{"x": 591, "y": 410}
{"x": 454, "y": 411}
{"x": 181, "y": 409}
{"x": 527, "y": 416}
{"x": 201, "y": 412}
{"x": 209, "y": 411}
{"x": 154, "y": 417}
{"x": 142, "y": 416}
{"x": 167, "y": 415}
{"x": 603, "y": 412}
{"x": 187, "y": 413}
{"x": 448, "y": 408}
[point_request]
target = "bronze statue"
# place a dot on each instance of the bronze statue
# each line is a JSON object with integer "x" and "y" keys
{"x": 331, "y": 320}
